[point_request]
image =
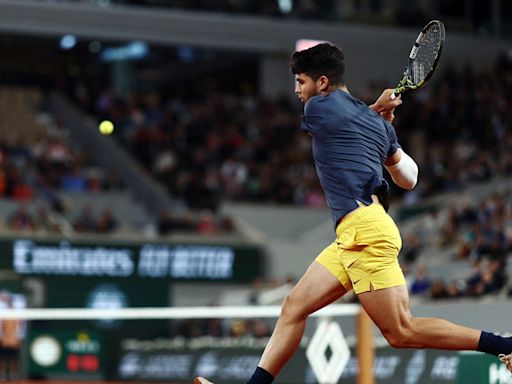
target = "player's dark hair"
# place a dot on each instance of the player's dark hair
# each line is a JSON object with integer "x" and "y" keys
{"x": 322, "y": 59}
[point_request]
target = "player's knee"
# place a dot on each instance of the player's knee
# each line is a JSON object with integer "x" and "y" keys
{"x": 395, "y": 340}
{"x": 292, "y": 309}
{"x": 400, "y": 338}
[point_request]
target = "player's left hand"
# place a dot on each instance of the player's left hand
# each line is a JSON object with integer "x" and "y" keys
{"x": 385, "y": 104}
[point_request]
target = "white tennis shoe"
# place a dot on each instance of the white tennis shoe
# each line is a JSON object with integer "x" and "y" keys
{"x": 202, "y": 380}
{"x": 505, "y": 359}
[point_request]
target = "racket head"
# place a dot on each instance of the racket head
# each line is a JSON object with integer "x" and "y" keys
{"x": 423, "y": 58}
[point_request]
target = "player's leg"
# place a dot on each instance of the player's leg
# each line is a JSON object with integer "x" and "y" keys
{"x": 324, "y": 282}
{"x": 389, "y": 309}
{"x": 382, "y": 292}
{"x": 316, "y": 289}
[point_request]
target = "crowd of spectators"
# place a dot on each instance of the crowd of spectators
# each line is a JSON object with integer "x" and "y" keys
{"x": 36, "y": 155}
{"x": 212, "y": 143}
{"x": 46, "y": 166}
{"x": 223, "y": 328}
{"x": 459, "y": 129}
{"x": 39, "y": 163}
{"x": 41, "y": 168}
{"x": 481, "y": 235}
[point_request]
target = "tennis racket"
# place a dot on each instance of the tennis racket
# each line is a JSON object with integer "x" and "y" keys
{"x": 423, "y": 59}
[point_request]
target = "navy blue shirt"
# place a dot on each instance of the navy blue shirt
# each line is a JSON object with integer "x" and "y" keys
{"x": 350, "y": 144}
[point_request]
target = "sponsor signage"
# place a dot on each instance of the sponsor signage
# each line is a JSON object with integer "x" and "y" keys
{"x": 79, "y": 354}
{"x": 232, "y": 360}
{"x": 481, "y": 368}
{"x": 212, "y": 262}
{"x": 65, "y": 354}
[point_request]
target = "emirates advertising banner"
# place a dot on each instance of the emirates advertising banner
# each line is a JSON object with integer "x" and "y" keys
{"x": 141, "y": 260}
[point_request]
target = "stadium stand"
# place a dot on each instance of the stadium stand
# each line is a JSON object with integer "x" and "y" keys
{"x": 236, "y": 170}
{"x": 235, "y": 151}
{"x": 46, "y": 177}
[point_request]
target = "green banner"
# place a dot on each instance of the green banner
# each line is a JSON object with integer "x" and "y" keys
{"x": 68, "y": 292}
{"x": 125, "y": 260}
{"x": 476, "y": 367}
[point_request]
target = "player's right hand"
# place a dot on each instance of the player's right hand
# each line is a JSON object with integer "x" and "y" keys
{"x": 385, "y": 104}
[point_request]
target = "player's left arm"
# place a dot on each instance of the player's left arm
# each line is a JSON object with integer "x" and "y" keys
{"x": 403, "y": 169}
{"x": 385, "y": 105}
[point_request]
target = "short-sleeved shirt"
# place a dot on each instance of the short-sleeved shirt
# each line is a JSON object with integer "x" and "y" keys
{"x": 350, "y": 145}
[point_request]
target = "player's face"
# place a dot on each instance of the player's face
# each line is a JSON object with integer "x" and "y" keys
{"x": 305, "y": 87}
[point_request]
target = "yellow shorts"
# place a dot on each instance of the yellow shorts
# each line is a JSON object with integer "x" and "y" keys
{"x": 365, "y": 253}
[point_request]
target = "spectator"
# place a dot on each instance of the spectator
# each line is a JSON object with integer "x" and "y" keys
{"x": 21, "y": 219}
{"x": 106, "y": 222}
{"x": 421, "y": 283}
{"x": 85, "y": 221}
{"x": 168, "y": 223}
{"x": 10, "y": 343}
{"x": 207, "y": 224}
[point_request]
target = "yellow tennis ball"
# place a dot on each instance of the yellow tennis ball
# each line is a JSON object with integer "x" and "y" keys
{"x": 106, "y": 127}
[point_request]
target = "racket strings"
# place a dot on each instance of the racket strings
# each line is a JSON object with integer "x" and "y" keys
{"x": 426, "y": 55}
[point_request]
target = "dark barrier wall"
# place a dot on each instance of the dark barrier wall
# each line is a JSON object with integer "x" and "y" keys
{"x": 231, "y": 360}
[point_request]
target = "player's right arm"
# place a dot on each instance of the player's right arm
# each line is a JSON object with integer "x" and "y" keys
{"x": 403, "y": 169}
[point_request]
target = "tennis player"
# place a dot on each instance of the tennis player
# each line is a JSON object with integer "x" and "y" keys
{"x": 352, "y": 143}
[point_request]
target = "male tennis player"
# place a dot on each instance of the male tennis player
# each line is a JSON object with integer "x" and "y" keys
{"x": 351, "y": 145}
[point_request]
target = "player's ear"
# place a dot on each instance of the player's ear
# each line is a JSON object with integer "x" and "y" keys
{"x": 322, "y": 83}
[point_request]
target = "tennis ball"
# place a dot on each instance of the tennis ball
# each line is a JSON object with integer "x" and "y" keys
{"x": 106, "y": 127}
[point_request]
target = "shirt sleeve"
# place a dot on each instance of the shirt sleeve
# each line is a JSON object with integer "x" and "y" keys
{"x": 393, "y": 139}
{"x": 313, "y": 117}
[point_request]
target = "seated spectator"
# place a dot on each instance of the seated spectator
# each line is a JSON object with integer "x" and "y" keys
{"x": 438, "y": 289}
{"x": 207, "y": 224}
{"x": 453, "y": 290}
{"x": 168, "y": 223}
{"x": 411, "y": 248}
{"x": 21, "y": 219}
{"x": 421, "y": 283}
{"x": 74, "y": 181}
{"x": 85, "y": 221}
{"x": 106, "y": 222}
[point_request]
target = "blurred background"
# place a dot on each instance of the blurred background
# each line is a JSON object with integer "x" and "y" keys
{"x": 200, "y": 190}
